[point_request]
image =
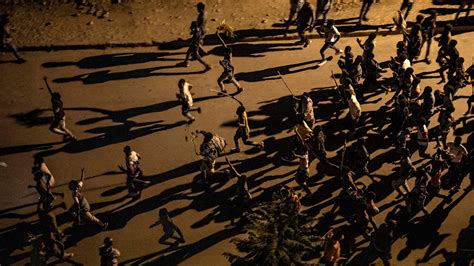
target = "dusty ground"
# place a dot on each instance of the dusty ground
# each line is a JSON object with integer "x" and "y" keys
{"x": 162, "y": 21}
{"x": 119, "y": 97}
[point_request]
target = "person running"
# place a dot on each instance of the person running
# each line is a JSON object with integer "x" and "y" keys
{"x": 228, "y": 67}
{"x": 212, "y": 147}
{"x": 243, "y": 131}
{"x": 195, "y": 46}
{"x": 108, "y": 254}
{"x": 170, "y": 229}
{"x": 305, "y": 21}
{"x": 7, "y": 40}
{"x": 185, "y": 97}
{"x": 134, "y": 172}
{"x": 59, "y": 122}
{"x": 81, "y": 209}
{"x": 332, "y": 36}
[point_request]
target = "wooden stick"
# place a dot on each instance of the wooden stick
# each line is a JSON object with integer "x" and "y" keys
{"x": 228, "y": 95}
{"x": 281, "y": 77}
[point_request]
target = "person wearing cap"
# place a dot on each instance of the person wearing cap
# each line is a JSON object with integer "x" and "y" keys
{"x": 243, "y": 131}
{"x": 108, "y": 254}
{"x": 81, "y": 208}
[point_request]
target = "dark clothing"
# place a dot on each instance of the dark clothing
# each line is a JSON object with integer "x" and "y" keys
{"x": 306, "y": 15}
{"x": 408, "y": 5}
{"x": 108, "y": 256}
{"x": 365, "y": 9}
{"x": 201, "y": 22}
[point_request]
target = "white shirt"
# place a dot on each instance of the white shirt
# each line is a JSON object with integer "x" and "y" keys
{"x": 406, "y": 64}
{"x": 422, "y": 136}
{"x": 354, "y": 107}
{"x": 308, "y": 110}
{"x": 186, "y": 94}
{"x": 456, "y": 152}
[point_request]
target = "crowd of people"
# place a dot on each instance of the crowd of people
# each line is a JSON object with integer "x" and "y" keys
{"x": 410, "y": 111}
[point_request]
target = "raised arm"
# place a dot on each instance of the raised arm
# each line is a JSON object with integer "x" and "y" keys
{"x": 47, "y": 85}
{"x": 221, "y": 40}
{"x": 82, "y": 174}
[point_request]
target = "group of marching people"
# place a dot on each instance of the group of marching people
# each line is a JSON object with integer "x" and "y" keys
{"x": 410, "y": 111}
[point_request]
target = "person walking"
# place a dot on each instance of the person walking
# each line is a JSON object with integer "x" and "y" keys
{"x": 185, "y": 97}
{"x": 305, "y": 20}
{"x": 108, "y": 254}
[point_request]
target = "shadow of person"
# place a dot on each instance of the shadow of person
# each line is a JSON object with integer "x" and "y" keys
{"x": 108, "y": 75}
{"x": 113, "y": 60}
{"x": 272, "y": 73}
{"x": 254, "y": 49}
{"x": 425, "y": 232}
